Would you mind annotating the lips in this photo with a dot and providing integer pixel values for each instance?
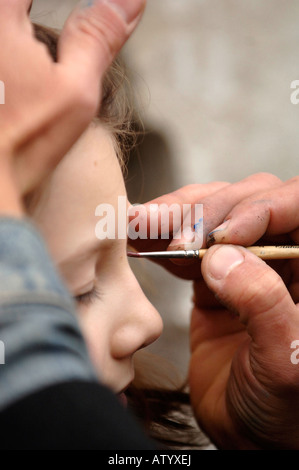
(122, 392)
(123, 399)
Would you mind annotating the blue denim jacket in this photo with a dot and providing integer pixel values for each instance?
(43, 344)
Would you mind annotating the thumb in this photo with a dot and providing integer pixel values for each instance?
(95, 32)
(247, 286)
(67, 94)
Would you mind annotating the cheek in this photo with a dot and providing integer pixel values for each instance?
(96, 332)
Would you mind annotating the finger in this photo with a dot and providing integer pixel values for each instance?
(271, 213)
(189, 194)
(247, 286)
(91, 38)
(216, 207)
(14, 8)
(166, 213)
(14, 14)
(151, 225)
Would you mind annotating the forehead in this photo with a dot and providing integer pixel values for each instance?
(89, 175)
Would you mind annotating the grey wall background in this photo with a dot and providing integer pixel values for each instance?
(213, 79)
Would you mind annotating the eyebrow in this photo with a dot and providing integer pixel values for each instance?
(87, 250)
(80, 253)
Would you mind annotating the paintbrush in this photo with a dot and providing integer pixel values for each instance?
(263, 252)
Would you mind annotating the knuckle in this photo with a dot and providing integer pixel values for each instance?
(260, 202)
(266, 178)
(181, 195)
(267, 291)
(294, 180)
(108, 30)
(80, 96)
(76, 110)
(257, 206)
(87, 98)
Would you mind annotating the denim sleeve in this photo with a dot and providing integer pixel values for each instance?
(40, 339)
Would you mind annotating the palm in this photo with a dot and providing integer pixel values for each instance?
(216, 335)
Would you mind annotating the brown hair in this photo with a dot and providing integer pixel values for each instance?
(158, 402)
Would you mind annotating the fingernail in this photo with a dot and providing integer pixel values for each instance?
(212, 237)
(188, 235)
(129, 9)
(182, 241)
(85, 3)
(220, 228)
(223, 261)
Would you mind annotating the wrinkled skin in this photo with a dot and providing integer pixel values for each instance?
(244, 386)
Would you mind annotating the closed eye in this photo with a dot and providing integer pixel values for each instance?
(88, 297)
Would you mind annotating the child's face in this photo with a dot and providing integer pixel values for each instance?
(116, 317)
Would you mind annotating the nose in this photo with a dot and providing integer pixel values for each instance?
(139, 322)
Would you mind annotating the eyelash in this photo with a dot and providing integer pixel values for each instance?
(88, 297)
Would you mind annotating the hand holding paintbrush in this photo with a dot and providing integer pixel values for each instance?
(245, 324)
(263, 252)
